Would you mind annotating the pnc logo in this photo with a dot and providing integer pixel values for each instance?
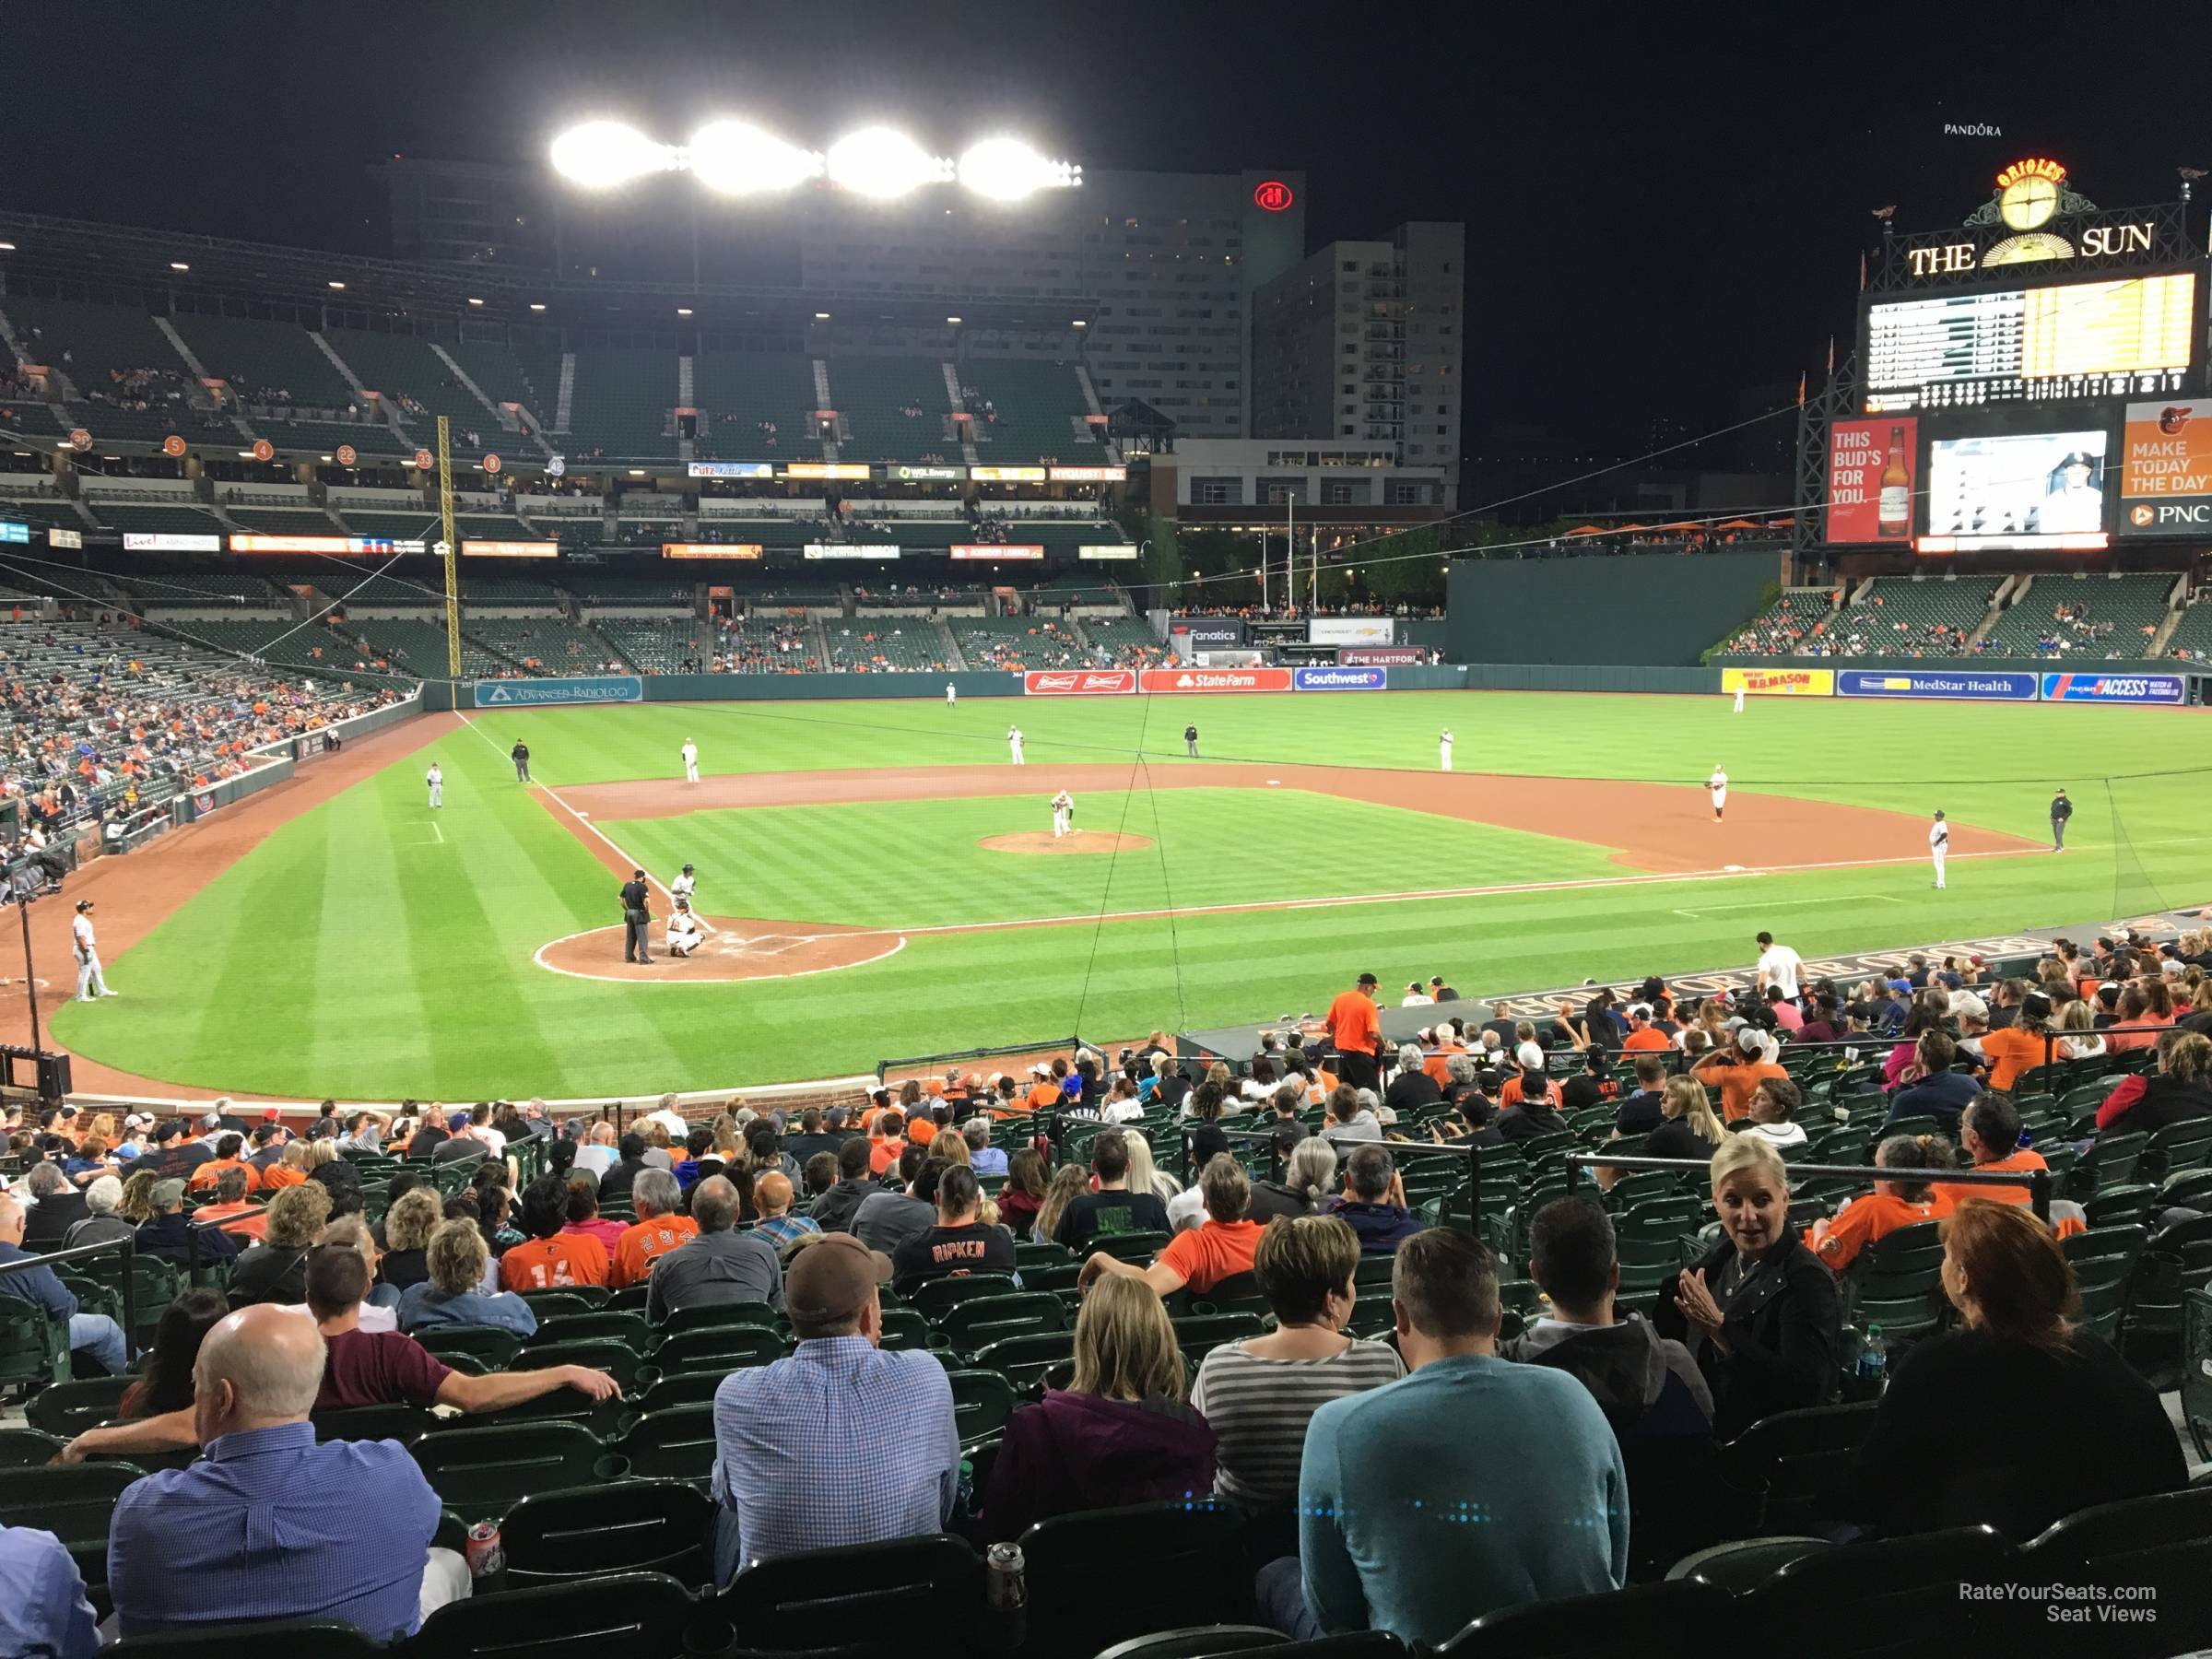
(2140, 516)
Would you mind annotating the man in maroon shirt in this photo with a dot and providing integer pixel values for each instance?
(361, 1368)
(384, 1367)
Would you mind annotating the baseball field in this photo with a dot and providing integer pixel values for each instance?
(880, 881)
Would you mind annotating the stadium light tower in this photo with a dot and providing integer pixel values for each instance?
(733, 157)
(736, 158)
(601, 154)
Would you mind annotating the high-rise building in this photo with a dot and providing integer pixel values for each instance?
(1360, 340)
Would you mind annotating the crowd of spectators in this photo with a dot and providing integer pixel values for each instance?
(1527, 1391)
(89, 711)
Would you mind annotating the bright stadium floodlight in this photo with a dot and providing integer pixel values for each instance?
(601, 154)
(1007, 169)
(877, 162)
(736, 157)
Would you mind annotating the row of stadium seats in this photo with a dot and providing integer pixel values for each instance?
(1014, 642)
(2087, 617)
(753, 405)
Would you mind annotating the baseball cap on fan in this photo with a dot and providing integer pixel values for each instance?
(829, 1280)
(1529, 1057)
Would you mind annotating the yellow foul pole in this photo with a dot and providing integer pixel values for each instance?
(453, 553)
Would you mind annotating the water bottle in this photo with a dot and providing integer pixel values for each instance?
(1873, 1361)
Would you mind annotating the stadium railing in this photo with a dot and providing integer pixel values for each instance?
(125, 1250)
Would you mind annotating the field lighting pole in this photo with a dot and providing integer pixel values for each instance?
(30, 978)
(453, 552)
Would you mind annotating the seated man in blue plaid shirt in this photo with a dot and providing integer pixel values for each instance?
(879, 1424)
(269, 1524)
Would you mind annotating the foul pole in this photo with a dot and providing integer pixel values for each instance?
(453, 553)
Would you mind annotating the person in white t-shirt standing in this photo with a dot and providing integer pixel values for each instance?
(1443, 750)
(1939, 844)
(691, 754)
(1014, 742)
(1718, 784)
(435, 778)
(952, 695)
(85, 949)
(1780, 967)
(1739, 699)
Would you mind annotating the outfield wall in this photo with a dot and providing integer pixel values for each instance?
(1978, 680)
(1652, 610)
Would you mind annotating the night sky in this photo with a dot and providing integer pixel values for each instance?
(1661, 212)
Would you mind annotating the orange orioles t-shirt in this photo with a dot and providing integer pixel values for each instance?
(644, 1242)
(547, 1263)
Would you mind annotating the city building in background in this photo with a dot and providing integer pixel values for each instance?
(1360, 341)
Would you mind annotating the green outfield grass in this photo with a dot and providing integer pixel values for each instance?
(373, 949)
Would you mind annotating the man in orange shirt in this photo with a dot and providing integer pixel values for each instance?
(1356, 1029)
(659, 1228)
(891, 1140)
(226, 1159)
(1643, 1037)
(1200, 1256)
(1837, 1240)
(1740, 1069)
(551, 1258)
(2013, 1048)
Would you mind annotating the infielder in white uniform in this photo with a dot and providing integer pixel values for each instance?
(436, 780)
(1739, 699)
(1939, 844)
(952, 694)
(1064, 811)
(683, 937)
(690, 753)
(1718, 784)
(684, 886)
(89, 985)
(1014, 742)
(1443, 750)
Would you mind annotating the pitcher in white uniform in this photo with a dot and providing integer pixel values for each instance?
(1718, 784)
(1014, 742)
(436, 780)
(1443, 750)
(1064, 810)
(85, 949)
(1939, 844)
(691, 754)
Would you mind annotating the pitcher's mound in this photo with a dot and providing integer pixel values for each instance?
(1076, 841)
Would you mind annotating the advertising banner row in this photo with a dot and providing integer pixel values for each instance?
(1959, 685)
(539, 693)
(1184, 682)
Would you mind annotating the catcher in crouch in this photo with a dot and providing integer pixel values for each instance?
(1063, 812)
(684, 934)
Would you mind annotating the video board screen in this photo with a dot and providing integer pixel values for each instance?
(2032, 344)
(2026, 490)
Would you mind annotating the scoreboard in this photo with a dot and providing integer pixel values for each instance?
(2132, 337)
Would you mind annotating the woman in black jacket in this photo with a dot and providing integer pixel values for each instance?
(2179, 1092)
(275, 1269)
(2027, 1379)
(1760, 1312)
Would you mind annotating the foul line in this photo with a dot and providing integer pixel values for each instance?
(619, 851)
